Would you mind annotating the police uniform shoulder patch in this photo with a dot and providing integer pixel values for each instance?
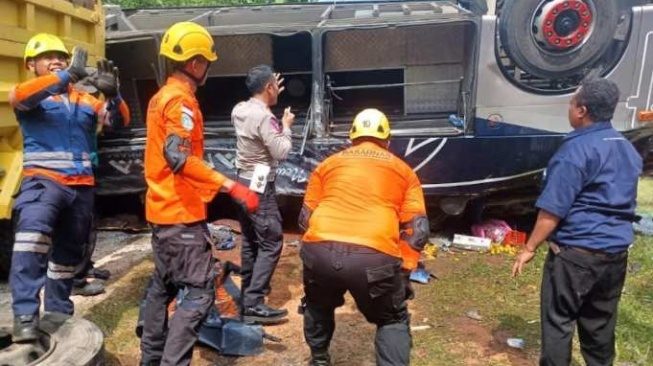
(187, 118)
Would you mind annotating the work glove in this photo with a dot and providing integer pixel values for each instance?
(77, 66)
(106, 78)
(244, 196)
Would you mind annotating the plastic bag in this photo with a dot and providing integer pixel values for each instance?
(492, 229)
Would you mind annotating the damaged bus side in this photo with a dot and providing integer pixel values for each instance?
(477, 103)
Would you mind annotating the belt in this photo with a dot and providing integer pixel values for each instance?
(556, 248)
(247, 174)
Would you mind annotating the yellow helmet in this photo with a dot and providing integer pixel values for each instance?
(44, 42)
(370, 122)
(185, 40)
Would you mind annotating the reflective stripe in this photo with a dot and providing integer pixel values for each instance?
(60, 275)
(48, 155)
(56, 164)
(30, 237)
(60, 268)
(33, 248)
(55, 159)
(59, 272)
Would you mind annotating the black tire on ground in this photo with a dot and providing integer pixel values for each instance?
(6, 247)
(516, 33)
(72, 342)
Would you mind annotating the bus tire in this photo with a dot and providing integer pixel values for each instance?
(6, 247)
(526, 43)
(70, 341)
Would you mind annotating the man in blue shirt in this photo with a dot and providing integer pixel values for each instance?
(586, 210)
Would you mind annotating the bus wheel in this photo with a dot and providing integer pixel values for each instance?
(556, 38)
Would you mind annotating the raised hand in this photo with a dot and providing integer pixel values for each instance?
(77, 66)
(106, 79)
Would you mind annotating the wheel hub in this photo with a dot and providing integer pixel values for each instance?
(562, 25)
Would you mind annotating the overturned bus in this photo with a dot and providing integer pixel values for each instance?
(478, 104)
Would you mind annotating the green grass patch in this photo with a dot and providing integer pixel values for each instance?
(117, 316)
(645, 196)
(510, 307)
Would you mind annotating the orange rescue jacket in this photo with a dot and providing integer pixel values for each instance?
(182, 197)
(360, 196)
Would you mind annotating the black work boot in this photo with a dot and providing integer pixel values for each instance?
(320, 358)
(263, 314)
(26, 328)
(86, 288)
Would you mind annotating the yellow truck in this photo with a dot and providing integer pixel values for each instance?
(77, 22)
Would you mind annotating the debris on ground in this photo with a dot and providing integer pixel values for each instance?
(416, 328)
(634, 267)
(516, 343)
(294, 243)
(493, 229)
(473, 314)
(222, 237)
(503, 249)
(644, 225)
(430, 251)
(471, 242)
(440, 242)
(421, 274)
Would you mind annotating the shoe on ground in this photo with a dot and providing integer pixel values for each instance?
(88, 288)
(320, 359)
(100, 274)
(263, 314)
(26, 329)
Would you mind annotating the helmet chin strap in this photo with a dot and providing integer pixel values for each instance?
(198, 81)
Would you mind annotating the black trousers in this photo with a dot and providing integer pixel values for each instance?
(183, 260)
(376, 283)
(262, 241)
(580, 289)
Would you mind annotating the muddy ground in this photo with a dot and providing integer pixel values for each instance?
(441, 336)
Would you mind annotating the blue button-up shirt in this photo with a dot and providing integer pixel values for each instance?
(591, 185)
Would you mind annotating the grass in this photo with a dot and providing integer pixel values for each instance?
(510, 308)
(468, 281)
(117, 316)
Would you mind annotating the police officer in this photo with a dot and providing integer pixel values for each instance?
(179, 185)
(262, 143)
(586, 210)
(365, 219)
(55, 201)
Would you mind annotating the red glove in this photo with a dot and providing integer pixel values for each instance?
(244, 196)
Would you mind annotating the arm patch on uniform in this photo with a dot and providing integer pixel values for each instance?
(416, 232)
(187, 118)
(176, 152)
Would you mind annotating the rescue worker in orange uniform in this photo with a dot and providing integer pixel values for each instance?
(365, 220)
(55, 202)
(179, 186)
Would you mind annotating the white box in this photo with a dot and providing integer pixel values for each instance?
(470, 242)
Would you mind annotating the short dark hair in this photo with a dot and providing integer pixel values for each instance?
(258, 77)
(600, 97)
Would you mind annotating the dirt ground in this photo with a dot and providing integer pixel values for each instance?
(440, 335)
